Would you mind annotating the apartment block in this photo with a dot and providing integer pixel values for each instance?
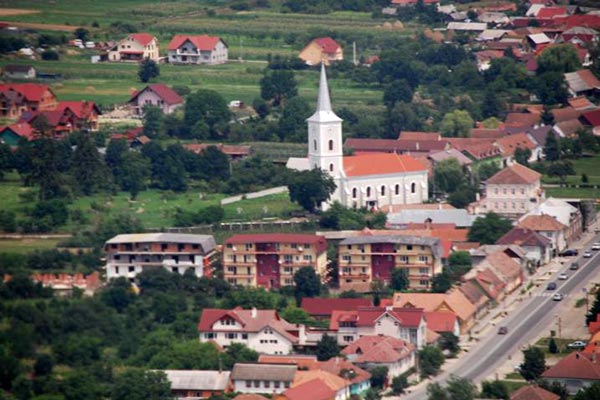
(128, 255)
(270, 260)
(364, 259)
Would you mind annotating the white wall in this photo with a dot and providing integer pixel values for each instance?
(404, 196)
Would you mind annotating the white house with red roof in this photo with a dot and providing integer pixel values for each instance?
(135, 47)
(364, 180)
(322, 50)
(200, 49)
(261, 330)
(158, 95)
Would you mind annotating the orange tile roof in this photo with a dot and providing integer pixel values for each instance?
(380, 164)
(580, 103)
(542, 222)
(510, 143)
(334, 382)
(314, 389)
(566, 114)
(501, 263)
(454, 300)
(522, 119)
(250, 396)
(379, 349)
(415, 135)
(440, 321)
(302, 361)
(533, 393)
(515, 174)
(339, 365)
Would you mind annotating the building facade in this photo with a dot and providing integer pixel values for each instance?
(128, 255)
(270, 260)
(325, 50)
(157, 95)
(364, 259)
(201, 49)
(135, 47)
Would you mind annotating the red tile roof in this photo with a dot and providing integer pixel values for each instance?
(551, 12)
(393, 145)
(542, 222)
(31, 91)
(414, 135)
(22, 129)
(142, 38)
(515, 174)
(202, 42)
(340, 366)
(368, 316)
(510, 143)
(325, 306)
(380, 164)
(301, 360)
(489, 283)
(81, 109)
(379, 349)
(249, 396)
(580, 103)
(522, 119)
(524, 237)
(167, 94)
(441, 321)
(565, 114)
(592, 117)
(483, 133)
(327, 44)
(533, 393)
(575, 366)
(314, 389)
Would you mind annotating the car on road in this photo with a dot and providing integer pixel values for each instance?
(587, 254)
(563, 276)
(558, 297)
(596, 246)
(574, 266)
(569, 253)
(502, 330)
(551, 286)
(578, 344)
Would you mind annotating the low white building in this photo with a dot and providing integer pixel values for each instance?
(200, 49)
(370, 352)
(262, 378)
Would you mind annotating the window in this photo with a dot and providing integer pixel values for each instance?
(397, 190)
(248, 384)
(423, 282)
(514, 205)
(496, 191)
(522, 191)
(117, 270)
(266, 384)
(256, 384)
(409, 247)
(383, 190)
(276, 384)
(307, 257)
(244, 336)
(229, 245)
(330, 167)
(287, 258)
(248, 246)
(512, 190)
(423, 270)
(353, 193)
(231, 335)
(314, 145)
(368, 191)
(286, 384)
(131, 269)
(345, 258)
(413, 188)
(347, 338)
(423, 259)
(404, 259)
(331, 145)
(209, 335)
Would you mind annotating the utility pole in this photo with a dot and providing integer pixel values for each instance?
(354, 53)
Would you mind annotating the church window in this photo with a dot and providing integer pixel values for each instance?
(331, 145)
(383, 190)
(397, 190)
(331, 167)
(315, 145)
(368, 191)
(413, 188)
(353, 193)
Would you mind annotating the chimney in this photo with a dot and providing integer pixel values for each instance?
(418, 147)
(389, 308)
(594, 357)
(477, 196)
(253, 314)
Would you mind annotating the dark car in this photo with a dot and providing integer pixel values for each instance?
(574, 266)
(551, 286)
(569, 253)
(502, 330)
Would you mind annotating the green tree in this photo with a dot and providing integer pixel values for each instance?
(295, 315)
(307, 283)
(6, 159)
(10, 367)
(399, 279)
(115, 151)
(561, 59)
(88, 168)
(261, 107)
(399, 383)
(402, 118)
(148, 70)
(461, 388)
(134, 384)
(292, 124)
(278, 86)
(379, 377)
(491, 106)
(534, 364)
(552, 347)
(448, 176)
(327, 348)
(431, 359)
(463, 196)
(311, 188)
(118, 294)
(555, 387)
(81, 34)
(133, 174)
(459, 263)
(550, 87)
(594, 310)
(561, 169)
(494, 390)
(441, 283)
(589, 393)
(397, 91)
(153, 120)
(457, 123)
(449, 342)
(522, 156)
(551, 148)
(487, 170)
(488, 229)
(209, 109)
(435, 391)
(547, 117)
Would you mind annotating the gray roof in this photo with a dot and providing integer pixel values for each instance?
(434, 243)
(450, 153)
(467, 26)
(263, 372)
(458, 216)
(206, 241)
(197, 380)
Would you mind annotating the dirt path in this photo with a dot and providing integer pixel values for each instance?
(6, 12)
(48, 27)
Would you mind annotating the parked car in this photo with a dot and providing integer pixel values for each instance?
(596, 246)
(578, 344)
(551, 286)
(587, 254)
(574, 266)
(563, 276)
(569, 253)
(502, 330)
(558, 297)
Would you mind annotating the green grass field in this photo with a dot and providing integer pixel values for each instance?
(27, 245)
(585, 165)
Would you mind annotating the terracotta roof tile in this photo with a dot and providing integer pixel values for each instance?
(454, 301)
(380, 164)
(524, 237)
(393, 145)
(474, 293)
(338, 365)
(316, 240)
(31, 91)
(551, 12)
(142, 38)
(575, 366)
(414, 135)
(327, 44)
(81, 109)
(522, 119)
(503, 266)
(581, 103)
(540, 223)
(570, 128)
(565, 114)
(325, 306)
(22, 129)
(301, 360)
(533, 393)
(249, 396)
(483, 133)
(510, 143)
(316, 389)
(167, 94)
(592, 117)
(514, 174)
(440, 321)
(202, 42)
(334, 382)
(379, 349)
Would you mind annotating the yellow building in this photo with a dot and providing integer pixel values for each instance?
(325, 50)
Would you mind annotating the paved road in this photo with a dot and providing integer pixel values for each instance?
(523, 323)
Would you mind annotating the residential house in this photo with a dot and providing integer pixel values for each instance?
(64, 284)
(314, 389)
(364, 259)
(56, 123)
(547, 226)
(438, 156)
(322, 50)
(579, 35)
(129, 254)
(581, 103)
(568, 129)
(322, 308)
(564, 213)
(582, 82)
(261, 330)
(86, 114)
(407, 3)
(303, 361)
(135, 47)
(359, 378)
(233, 151)
(592, 119)
(480, 253)
(505, 268)
(194, 384)
(479, 150)
(538, 248)
(577, 371)
(32, 96)
(270, 260)
(158, 95)
(477, 296)
(453, 301)
(19, 71)
(442, 322)
(262, 378)
(511, 192)
(12, 104)
(304, 381)
(531, 392)
(134, 137)
(370, 352)
(14, 133)
(399, 146)
(200, 49)
(408, 324)
(510, 143)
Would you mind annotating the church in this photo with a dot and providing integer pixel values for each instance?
(367, 180)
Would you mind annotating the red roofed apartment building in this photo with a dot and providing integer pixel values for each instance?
(261, 330)
(158, 95)
(135, 47)
(270, 260)
(201, 49)
(325, 50)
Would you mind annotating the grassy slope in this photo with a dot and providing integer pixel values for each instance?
(589, 166)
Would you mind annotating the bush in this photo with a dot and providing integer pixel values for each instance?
(50, 55)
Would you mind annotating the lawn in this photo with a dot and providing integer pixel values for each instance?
(27, 245)
(585, 165)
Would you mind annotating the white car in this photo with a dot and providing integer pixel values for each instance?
(596, 246)
(587, 254)
(558, 297)
(579, 344)
(563, 276)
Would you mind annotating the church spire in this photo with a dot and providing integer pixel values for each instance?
(323, 101)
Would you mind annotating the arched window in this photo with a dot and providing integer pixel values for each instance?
(315, 145)
(331, 145)
(413, 188)
(331, 167)
(383, 190)
(353, 193)
(368, 191)
(397, 190)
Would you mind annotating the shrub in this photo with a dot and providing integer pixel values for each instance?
(50, 55)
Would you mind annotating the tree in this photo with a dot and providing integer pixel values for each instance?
(494, 390)
(311, 188)
(435, 391)
(547, 117)
(327, 348)
(134, 384)
(441, 283)
(278, 86)
(295, 315)
(463, 196)
(522, 156)
(307, 283)
(88, 168)
(489, 229)
(43, 365)
(461, 388)
(292, 124)
(379, 377)
(457, 123)
(589, 393)
(153, 120)
(551, 148)
(261, 107)
(148, 70)
(115, 151)
(399, 383)
(555, 387)
(487, 170)
(133, 174)
(449, 341)
(50, 55)
(402, 118)
(448, 176)
(397, 91)
(431, 359)
(459, 263)
(399, 279)
(594, 310)
(81, 34)
(41, 162)
(491, 105)
(561, 169)
(534, 364)
(551, 88)
(10, 367)
(206, 113)
(561, 58)
(552, 347)
(118, 294)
